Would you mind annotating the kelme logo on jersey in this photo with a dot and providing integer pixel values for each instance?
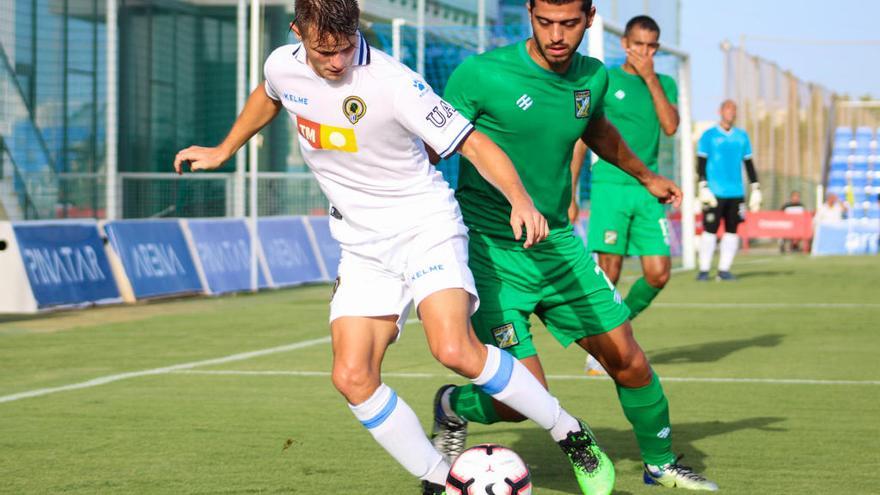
(582, 103)
(505, 336)
(354, 109)
(326, 137)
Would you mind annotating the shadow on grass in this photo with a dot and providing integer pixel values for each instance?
(764, 274)
(551, 470)
(711, 352)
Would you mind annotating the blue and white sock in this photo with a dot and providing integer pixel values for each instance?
(397, 429)
(509, 382)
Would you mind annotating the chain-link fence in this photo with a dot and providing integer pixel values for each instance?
(180, 69)
(788, 121)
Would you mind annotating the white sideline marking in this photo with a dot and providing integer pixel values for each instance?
(772, 381)
(103, 380)
(766, 305)
(167, 369)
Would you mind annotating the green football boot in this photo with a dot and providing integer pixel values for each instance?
(675, 475)
(429, 488)
(592, 467)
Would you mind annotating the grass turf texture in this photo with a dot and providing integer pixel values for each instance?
(194, 432)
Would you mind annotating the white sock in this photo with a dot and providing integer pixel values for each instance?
(707, 250)
(729, 245)
(509, 382)
(397, 429)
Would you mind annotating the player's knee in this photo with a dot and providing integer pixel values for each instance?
(658, 278)
(355, 383)
(631, 369)
(453, 354)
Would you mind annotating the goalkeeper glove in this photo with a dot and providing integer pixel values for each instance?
(755, 198)
(705, 195)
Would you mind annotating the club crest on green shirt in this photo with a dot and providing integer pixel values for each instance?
(582, 103)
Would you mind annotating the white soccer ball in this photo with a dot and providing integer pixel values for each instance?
(489, 469)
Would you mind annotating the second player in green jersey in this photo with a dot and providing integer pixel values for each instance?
(624, 220)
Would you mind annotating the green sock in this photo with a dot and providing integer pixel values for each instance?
(640, 296)
(472, 404)
(647, 410)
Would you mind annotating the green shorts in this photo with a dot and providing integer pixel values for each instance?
(557, 280)
(627, 220)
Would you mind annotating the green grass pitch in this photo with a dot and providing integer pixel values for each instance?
(770, 393)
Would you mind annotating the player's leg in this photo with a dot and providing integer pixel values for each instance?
(656, 272)
(611, 264)
(709, 239)
(445, 304)
(358, 348)
(502, 319)
(734, 214)
(645, 406)
(649, 239)
(359, 344)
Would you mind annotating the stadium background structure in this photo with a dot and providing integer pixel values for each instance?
(92, 115)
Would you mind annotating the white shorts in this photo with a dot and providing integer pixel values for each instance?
(386, 277)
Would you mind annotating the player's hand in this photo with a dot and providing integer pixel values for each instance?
(755, 198)
(524, 214)
(199, 158)
(574, 211)
(664, 190)
(705, 195)
(643, 64)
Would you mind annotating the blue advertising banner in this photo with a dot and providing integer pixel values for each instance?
(223, 248)
(65, 263)
(327, 245)
(849, 237)
(155, 256)
(289, 254)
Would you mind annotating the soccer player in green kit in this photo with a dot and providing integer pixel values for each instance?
(536, 98)
(624, 218)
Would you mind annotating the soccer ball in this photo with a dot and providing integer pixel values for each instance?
(491, 470)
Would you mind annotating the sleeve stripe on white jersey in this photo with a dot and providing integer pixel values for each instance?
(465, 132)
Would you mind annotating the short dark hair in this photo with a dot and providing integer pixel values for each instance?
(327, 18)
(586, 4)
(644, 22)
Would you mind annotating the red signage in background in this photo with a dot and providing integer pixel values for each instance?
(771, 224)
(777, 225)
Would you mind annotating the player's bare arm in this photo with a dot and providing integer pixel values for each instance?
(667, 113)
(577, 162)
(604, 139)
(258, 111)
(494, 165)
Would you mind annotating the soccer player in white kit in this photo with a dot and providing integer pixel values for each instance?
(365, 122)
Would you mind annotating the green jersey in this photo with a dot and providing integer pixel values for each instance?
(629, 106)
(535, 116)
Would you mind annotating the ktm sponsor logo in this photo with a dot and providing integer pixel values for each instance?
(326, 137)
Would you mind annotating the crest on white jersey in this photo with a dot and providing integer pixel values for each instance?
(354, 109)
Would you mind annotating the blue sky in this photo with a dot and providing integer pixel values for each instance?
(843, 69)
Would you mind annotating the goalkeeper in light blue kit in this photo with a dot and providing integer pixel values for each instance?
(721, 153)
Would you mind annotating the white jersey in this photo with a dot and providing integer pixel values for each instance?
(363, 138)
